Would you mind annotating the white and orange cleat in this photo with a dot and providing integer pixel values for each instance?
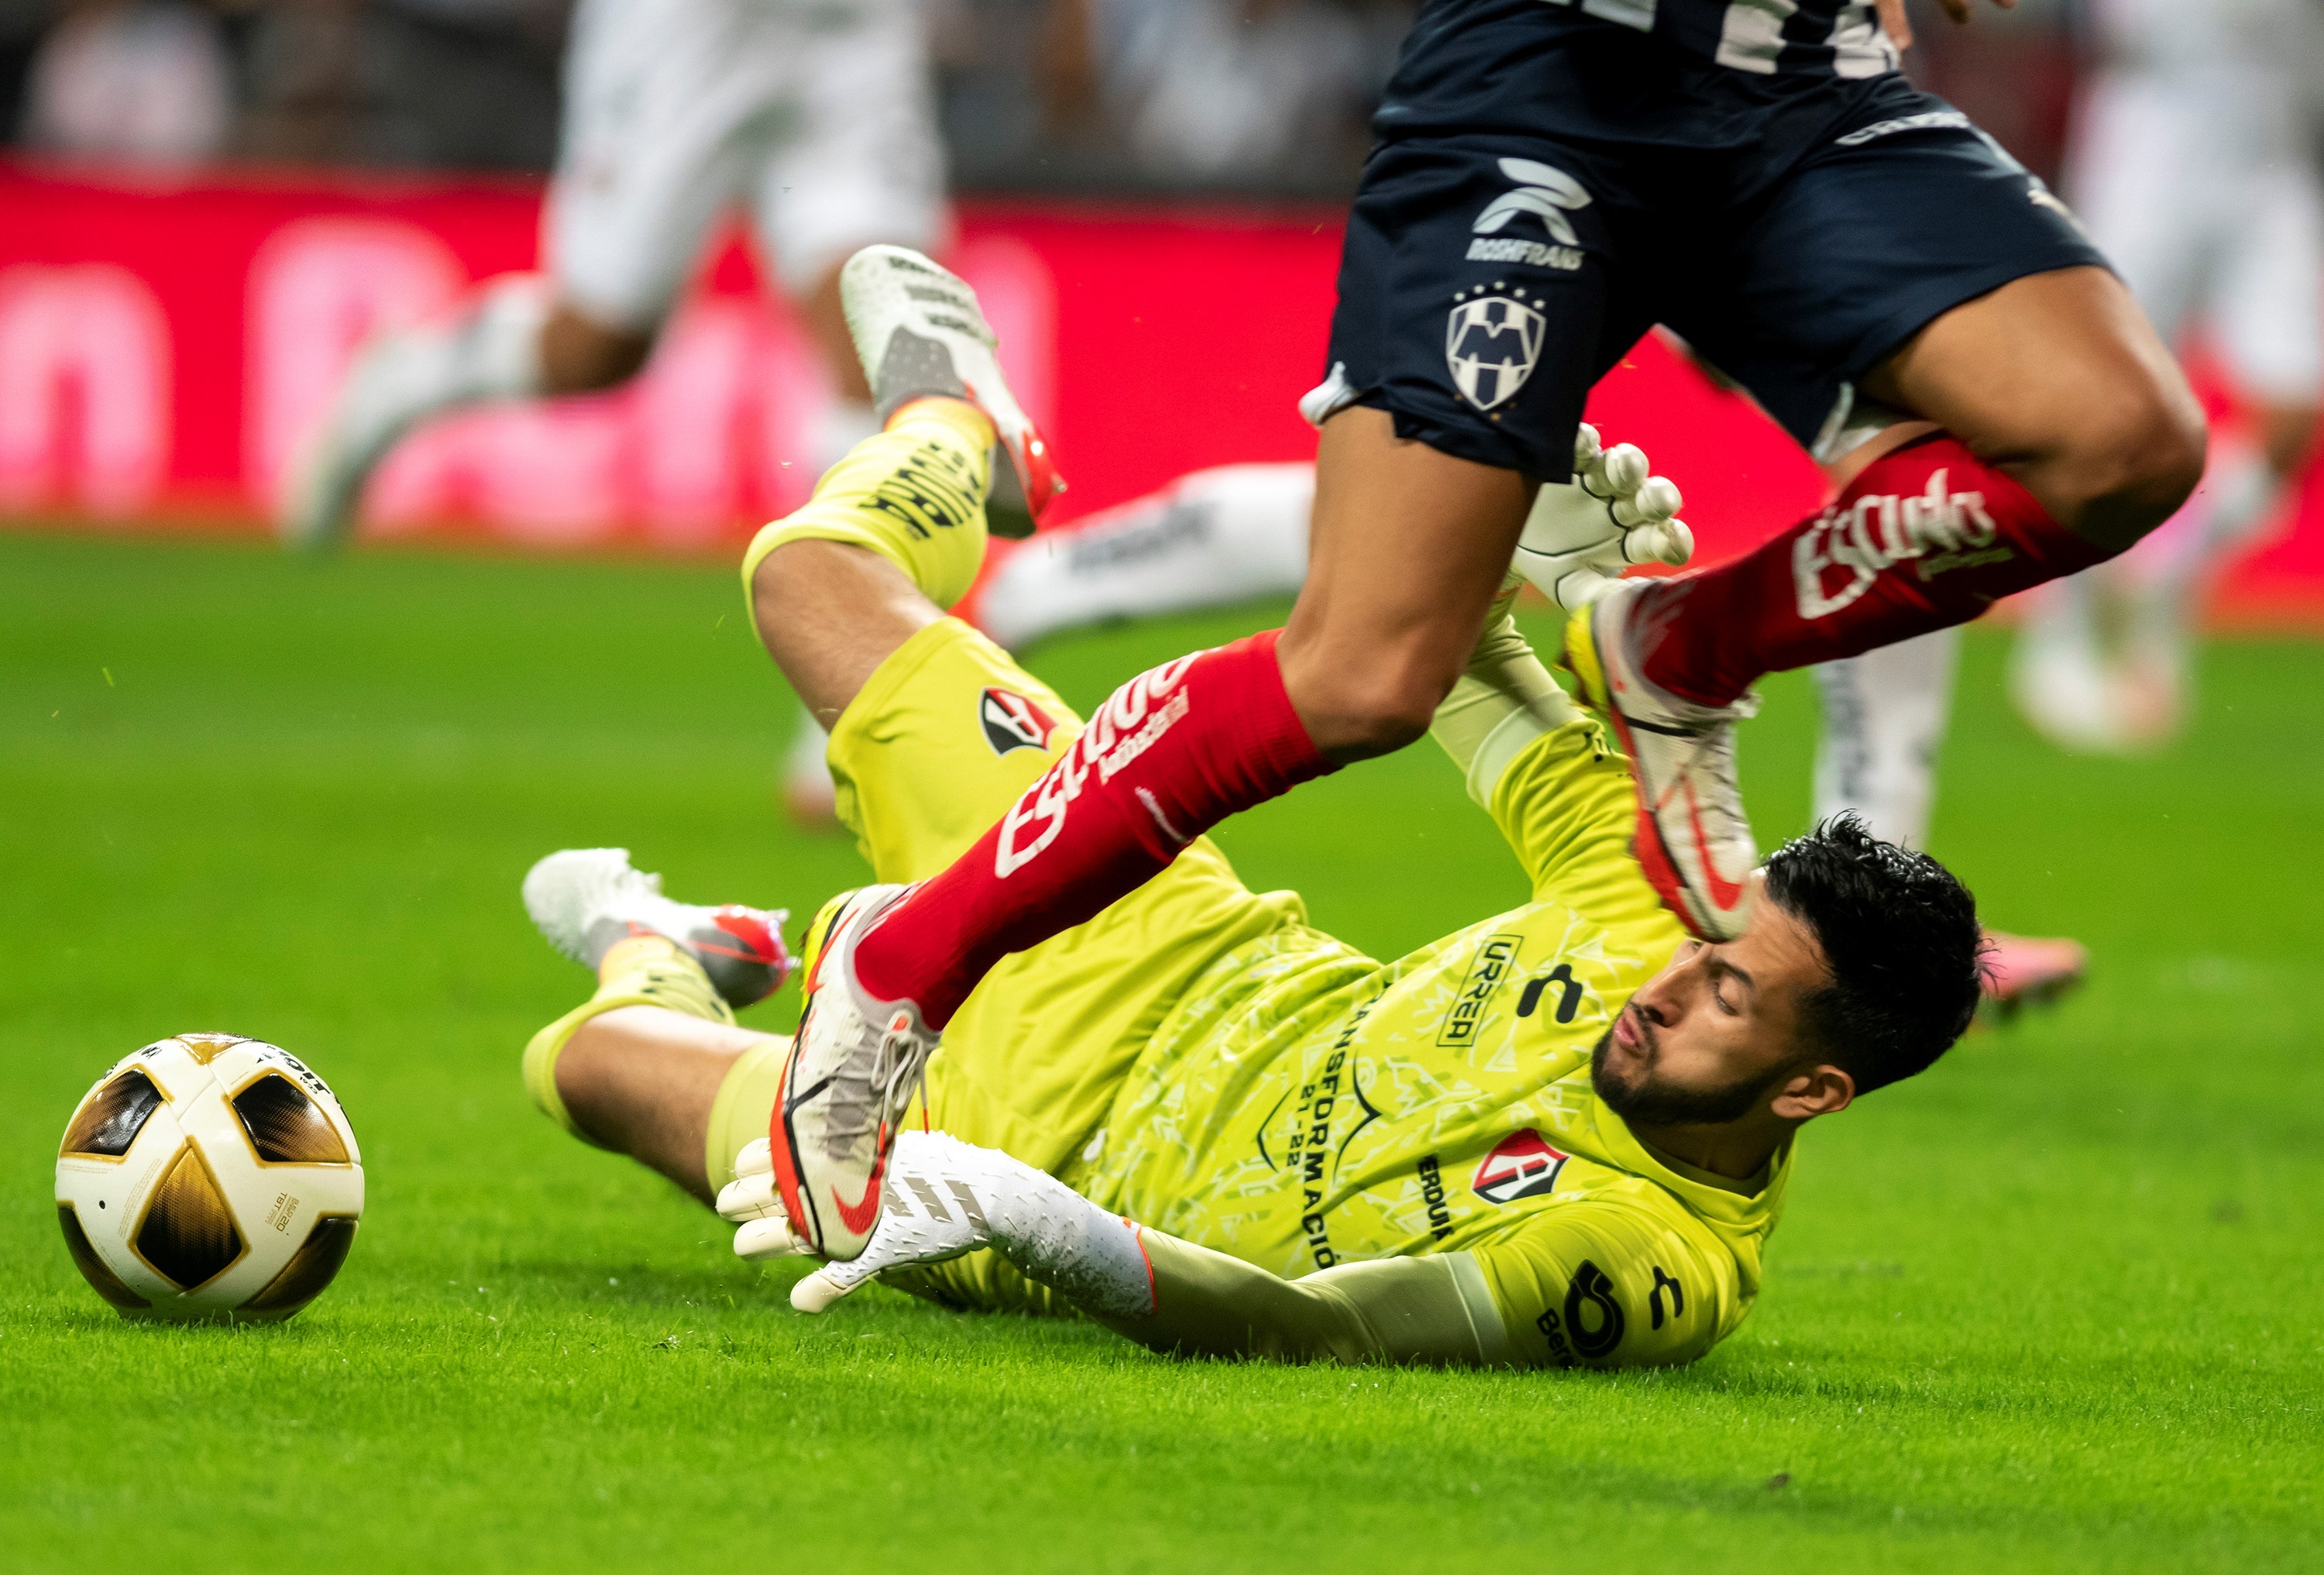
(919, 332)
(586, 900)
(855, 1065)
(1693, 839)
(2028, 970)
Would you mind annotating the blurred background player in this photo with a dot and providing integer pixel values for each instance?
(2194, 167)
(816, 117)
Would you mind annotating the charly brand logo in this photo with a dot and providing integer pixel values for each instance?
(1011, 722)
(1492, 342)
(1942, 529)
(1548, 194)
(1131, 722)
(1521, 1166)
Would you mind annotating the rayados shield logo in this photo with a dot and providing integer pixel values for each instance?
(1521, 1166)
(1011, 722)
(1492, 342)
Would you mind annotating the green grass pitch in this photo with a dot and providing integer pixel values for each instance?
(2059, 1304)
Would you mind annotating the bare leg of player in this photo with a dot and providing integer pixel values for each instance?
(2056, 412)
(1391, 607)
(2103, 662)
(515, 339)
(641, 1081)
(847, 419)
(2062, 432)
(826, 323)
(580, 355)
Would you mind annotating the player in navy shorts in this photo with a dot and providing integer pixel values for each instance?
(1905, 298)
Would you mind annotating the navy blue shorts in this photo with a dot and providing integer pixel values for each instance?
(1793, 231)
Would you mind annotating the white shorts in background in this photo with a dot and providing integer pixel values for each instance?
(2204, 193)
(817, 115)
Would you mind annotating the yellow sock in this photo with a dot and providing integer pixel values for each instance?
(817, 929)
(913, 493)
(642, 970)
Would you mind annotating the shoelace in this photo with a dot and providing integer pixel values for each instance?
(890, 1093)
(893, 1093)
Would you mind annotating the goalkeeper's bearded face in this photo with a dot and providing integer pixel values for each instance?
(1717, 1035)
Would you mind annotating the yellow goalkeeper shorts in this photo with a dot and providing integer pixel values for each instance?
(940, 742)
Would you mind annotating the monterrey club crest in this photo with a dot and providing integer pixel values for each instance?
(1011, 722)
(1492, 342)
(1521, 1166)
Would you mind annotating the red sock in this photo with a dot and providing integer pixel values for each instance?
(1924, 538)
(1175, 751)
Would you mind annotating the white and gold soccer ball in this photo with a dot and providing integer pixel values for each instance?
(209, 1176)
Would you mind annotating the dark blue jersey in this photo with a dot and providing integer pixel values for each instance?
(1669, 73)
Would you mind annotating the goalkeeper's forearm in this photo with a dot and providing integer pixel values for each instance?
(1418, 1309)
(946, 1198)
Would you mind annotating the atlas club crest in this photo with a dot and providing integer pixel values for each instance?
(1492, 342)
(1521, 1166)
(1011, 722)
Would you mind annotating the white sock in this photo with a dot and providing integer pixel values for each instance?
(490, 351)
(2165, 574)
(807, 788)
(1209, 539)
(839, 425)
(1884, 720)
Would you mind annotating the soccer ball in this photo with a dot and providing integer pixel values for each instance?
(209, 1176)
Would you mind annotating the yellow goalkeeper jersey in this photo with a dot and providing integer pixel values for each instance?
(1302, 1105)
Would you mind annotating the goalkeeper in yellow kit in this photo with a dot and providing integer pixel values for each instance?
(1559, 1137)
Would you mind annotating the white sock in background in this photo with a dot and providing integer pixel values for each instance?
(1211, 538)
(1884, 720)
(809, 794)
(839, 425)
(2104, 661)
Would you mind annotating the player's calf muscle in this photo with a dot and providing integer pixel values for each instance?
(829, 613)
(2059, 380)
(2133, 466)
(1359, 704)
(641, 1081)
(1408, 548)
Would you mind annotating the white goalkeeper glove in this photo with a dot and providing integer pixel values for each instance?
(944, 1198)
(1582, 534)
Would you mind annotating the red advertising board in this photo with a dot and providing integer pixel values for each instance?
(163, 344)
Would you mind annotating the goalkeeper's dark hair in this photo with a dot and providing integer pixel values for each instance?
(1899, 932)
